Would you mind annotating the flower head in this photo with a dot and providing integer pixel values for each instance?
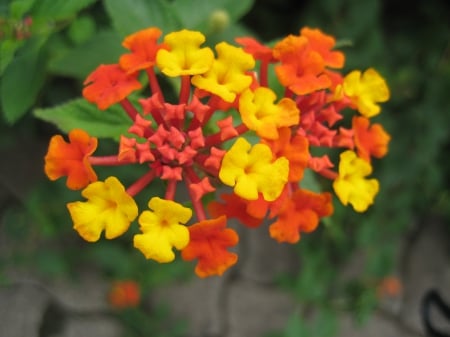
(366, 90)
(351, 186)
(209, 240)
(108, 207)
(227, 76)
(109, 84)
(251, 170)
(71, 159)
(162, 229)
(185, 57)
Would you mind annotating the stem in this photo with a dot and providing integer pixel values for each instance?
(107, 161)
(171, 188)
(154, 84)
(263, 78)
(327, 173)
(129, 108)
(185, 89)
(141, 183)
(288, 93)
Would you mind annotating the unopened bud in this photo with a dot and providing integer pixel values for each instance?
(218, 21)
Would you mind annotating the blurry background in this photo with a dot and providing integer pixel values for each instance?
(47, 47)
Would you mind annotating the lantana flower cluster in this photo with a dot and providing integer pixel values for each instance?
(229, 135)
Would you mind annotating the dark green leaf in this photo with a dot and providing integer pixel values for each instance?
(18, 8)
(59, 9)
(22, 80)
(7, 50)
(81, 114)
(81, 29)
(103, 48)
(133, 15)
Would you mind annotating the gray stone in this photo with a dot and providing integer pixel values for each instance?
(199, 302)
(88, 292)
(91, 326)
(427, 267)
(376, 326)
(261, 258)
(256, 309)
(21, 310)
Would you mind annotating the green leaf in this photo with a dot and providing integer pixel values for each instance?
(204, 9)
(133, 15)
(18, 8)
(81, 114)
(103, 48)
(295, 326)
(59, 9)
(7, 50)
(22, 80)
(81, 29)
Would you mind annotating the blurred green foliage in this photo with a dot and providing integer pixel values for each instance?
(47, 48)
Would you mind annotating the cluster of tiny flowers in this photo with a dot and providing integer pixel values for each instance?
(201, 141)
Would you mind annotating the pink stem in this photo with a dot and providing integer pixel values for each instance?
(171, 189)
(327, 173)
(185, 89)
(141, 183)
(263, 78)
(154, 84)
(129, 108)
(107, 161)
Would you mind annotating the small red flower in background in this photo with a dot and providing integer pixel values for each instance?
(390, 286)
(124, 294)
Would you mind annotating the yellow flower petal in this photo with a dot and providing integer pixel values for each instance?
(227, 76)
(162, 230)
(251, 171)
(185, 56)
(366, 90)
(109, 207)
(351, 186)
(259, 113)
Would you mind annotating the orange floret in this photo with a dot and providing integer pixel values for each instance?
(370, 140)
(71, 159)
(295, 149)
(109, 84)
(300, 213)
(144, 47)
(209, 240)
(236, 207)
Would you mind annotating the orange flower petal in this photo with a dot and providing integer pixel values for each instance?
(236, 207)
(370, 140)
(109, 84)
(209, 240)
(301, 213)
(324, 44)
(144, 47)
(71, 159)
